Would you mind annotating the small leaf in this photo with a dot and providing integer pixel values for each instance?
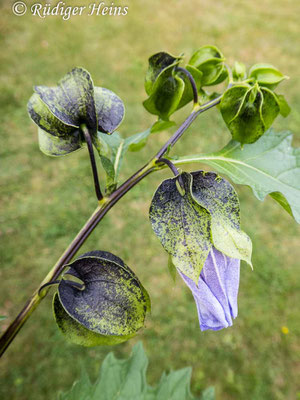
(113, 148)
(157, 63)
(138, 141)
(110, 109)
(266, 75)
(285, 109)
(72, 101)
(111, 179)
(239, 71)
(109, 309)
(279, 197)
(110, 149)
(166, 94)
(248, 111)
(2, 317)
(161, 125)
(268, 166)
(181, 225)
(57, 146)
(126, 379)
(220, 199)
(210, 61)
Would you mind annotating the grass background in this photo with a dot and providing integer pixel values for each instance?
(45, 201)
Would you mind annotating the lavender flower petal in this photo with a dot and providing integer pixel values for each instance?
(217, 290)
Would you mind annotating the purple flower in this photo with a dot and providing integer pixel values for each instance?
(217, 290)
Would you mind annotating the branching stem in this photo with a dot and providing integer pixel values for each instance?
(190, 119)
(105, 204)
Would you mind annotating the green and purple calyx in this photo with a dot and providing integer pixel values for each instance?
(59, 111)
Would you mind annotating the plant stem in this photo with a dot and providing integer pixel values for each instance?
(89, 143)
(172, 168)
(190, 119)
(105, 204)
(192, 81)
(169, 164)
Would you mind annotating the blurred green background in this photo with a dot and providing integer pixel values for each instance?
(45, 201)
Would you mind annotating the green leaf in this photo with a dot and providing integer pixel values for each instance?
(110, 149)
(285, 109)
(269, 166)
(157, 63)
(111, 179)
(210, 61)
(161, 125)
(57, 146)
(72, 100)
(123, 378)
(175, 386)
(110, 109)
(126, 379)
(2, 317)
(181, 225)
(113, 148)
(109, 309)
(239, 71)
(166, 94)
(266, 75)
(219, 198)
(138, 141)
(248, 111)
(282, 201)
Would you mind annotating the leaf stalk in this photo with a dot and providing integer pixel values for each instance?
(175, 171)
(89, 143)
(192, 82)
